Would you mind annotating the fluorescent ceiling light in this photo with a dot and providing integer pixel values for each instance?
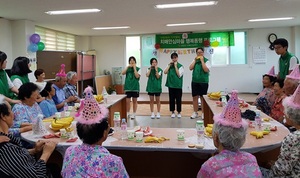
(185, 24)
(110, 28)
(270, 19)
(75, 11)
(189, 4)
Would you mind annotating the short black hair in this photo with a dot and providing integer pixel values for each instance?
(131, 57)
(200, 48)
(26, 90)
(152, 59)
(20, 66)
(281, 41)
(91, 134)
(38, 72)
(46, 90)
(4, 111)
(272, 78)
(174, 55)
(280, 81)
(3, 57)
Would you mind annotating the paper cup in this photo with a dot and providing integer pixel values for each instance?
(180, 134)
(70, 108)
(58, 115)
(130, 134)
(77, 105)
(139, 136)
(67, 113)
(266, 126)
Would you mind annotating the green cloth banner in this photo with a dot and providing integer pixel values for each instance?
(194, 40)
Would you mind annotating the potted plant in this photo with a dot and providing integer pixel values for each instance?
(111, 89)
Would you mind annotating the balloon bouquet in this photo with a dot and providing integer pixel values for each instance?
(35, 43)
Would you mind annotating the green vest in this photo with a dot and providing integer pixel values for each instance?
(23, 78)
(284, 64)
(4, 88)
(173, 81)
(154, 84)
(199, 76)
(131, 82)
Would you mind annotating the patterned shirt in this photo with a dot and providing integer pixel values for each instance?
(230, 164)
(288, 162)
(70, 90)
(265, 100)
(16, 161)
(277, 109)
(24, 114)
(92, 161)
(48, 107)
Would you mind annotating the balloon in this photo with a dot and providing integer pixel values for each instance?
(215, 44)
(206, 43)
(157, 46)
(41, 46)
(35, 38)
(33, 47)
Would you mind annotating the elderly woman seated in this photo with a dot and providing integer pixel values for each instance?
(266, 97)
(91, 159)
(48, 106)
(229, 135)
(16, 161)
(288, 162)
(26, 111)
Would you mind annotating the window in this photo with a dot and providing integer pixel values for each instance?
(133, 48)
(227, 55)
(55, 40)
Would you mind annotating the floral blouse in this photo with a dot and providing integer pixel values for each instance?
(265, 100)
(230, 164)
(24, 114)
(92, 161)
(277, 109)
(288, 162)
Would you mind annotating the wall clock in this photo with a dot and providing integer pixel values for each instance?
(271, 38)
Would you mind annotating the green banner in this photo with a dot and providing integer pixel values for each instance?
(194, 40)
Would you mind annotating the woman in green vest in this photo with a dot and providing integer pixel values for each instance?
(7, 88)
(20, 71)
(174, 72)
(132, 85)
(200, 77)
(154, 74)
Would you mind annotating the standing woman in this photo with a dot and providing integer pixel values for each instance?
(154, 74)
(200, 78)
(174, 83)
(7, 88)
(132, 85)
(20, 71)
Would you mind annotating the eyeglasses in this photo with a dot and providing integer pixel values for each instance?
(278, 47)
(199, 52)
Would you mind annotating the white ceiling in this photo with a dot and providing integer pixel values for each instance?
(143, 18)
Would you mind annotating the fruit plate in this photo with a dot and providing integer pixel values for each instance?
(50, 126)
(148, 133)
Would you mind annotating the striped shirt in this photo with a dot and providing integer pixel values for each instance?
(70, 90)
(15, 161)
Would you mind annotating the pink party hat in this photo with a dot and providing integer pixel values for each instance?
(231, 115)
(295, 74)
(90, 112)
(62, 72)
(294, 100)
(271, 72)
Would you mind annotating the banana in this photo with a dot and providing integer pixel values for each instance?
(257, 134)
(210, 125)
(208, 130)
(151, 139)
(214, 95)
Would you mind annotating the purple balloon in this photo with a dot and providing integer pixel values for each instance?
(35, 38)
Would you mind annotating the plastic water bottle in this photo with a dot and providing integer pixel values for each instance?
(224, 97)
(200, 132)
(66, 106)
(257, 121)
(123, 129)
(117, 120)
(104, 94)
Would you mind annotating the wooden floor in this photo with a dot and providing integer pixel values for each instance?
(164, 98)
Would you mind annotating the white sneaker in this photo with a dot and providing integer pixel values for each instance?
(152, 115)
(194, 115)
(178, 115)
(158, 115)
(173, 115)
(132, 116)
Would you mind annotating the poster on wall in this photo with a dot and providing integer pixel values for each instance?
(117, 75)
(259, 55)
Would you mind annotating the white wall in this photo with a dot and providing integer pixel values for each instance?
(245, 78)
